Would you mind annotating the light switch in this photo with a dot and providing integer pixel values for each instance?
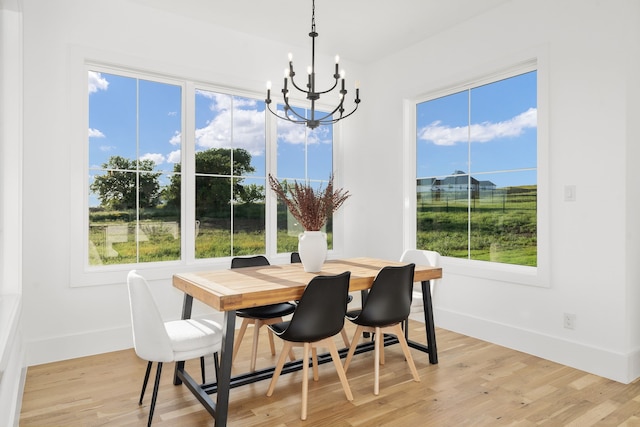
(569, 193)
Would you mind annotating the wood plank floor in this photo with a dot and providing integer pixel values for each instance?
(474, 384)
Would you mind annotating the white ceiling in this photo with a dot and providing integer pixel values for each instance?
(358, 30)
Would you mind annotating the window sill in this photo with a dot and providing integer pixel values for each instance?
(508, 273)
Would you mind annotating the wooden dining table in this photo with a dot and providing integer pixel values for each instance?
(233, 289)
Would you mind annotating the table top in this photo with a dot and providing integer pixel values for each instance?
(238, 288)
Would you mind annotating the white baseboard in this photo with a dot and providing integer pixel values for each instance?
(80, 345)
(616, 366)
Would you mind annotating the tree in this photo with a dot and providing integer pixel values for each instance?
(214, 187)
(126, 180)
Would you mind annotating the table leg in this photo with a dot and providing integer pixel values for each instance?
(224, 380)
(428, 322)
(187, 305)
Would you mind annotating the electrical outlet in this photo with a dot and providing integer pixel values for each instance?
(569, 321)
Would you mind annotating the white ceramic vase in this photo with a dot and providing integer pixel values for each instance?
(312, 246)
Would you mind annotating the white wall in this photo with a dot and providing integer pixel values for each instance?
(62, 321)
(590, 55)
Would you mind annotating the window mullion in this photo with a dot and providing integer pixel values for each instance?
(188, 177)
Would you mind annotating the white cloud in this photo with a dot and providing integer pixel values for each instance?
(95, 133)
(248, 131)
(157, 158)
(106, 148)
(174, 157)
(97, 82)
(176, 139)
(482, 132)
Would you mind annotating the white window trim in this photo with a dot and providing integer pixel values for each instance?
(81, 274)
(535, 59)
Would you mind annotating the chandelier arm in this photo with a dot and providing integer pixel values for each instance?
(330, 114)
(312, 95)
(341, 117)
(334, 121)
(302, 118)
(299, 88)
(329, 90)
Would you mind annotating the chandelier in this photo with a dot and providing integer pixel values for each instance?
(316, 118)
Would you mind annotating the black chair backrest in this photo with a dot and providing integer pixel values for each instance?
(295, 257)
(252, 261)
(321, 310)
(389, 299)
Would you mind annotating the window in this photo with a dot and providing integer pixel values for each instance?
(476, 171)
(304, 155)
(230, 144)
(132, 127)
(177, 171)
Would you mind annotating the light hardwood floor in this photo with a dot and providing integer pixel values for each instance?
(474, 384)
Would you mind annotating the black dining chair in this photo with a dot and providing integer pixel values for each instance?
(385, 309)
(258, 316)
(318, 317)
(295, 258)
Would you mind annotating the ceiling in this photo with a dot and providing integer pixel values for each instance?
(358, 30)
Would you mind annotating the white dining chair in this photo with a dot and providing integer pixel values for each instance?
(421, 257)
(158, 341)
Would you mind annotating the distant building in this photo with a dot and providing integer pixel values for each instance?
(455, 185)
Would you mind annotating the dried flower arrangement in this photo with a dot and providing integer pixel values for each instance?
(310, 207)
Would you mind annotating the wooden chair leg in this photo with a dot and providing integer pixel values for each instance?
(271, 343)
(407, 353)
(254, 345)
(243, 329)
(341, 374)
(305, 380)
(144, 383)
(314, 362)
(376, 368)
(278, 369)
(352, 348)
(345, 338)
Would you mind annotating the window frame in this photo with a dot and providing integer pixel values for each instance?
(81, 272)
(508, 273)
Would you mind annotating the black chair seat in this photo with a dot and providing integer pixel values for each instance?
(267, 311)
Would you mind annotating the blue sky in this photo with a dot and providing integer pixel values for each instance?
(495, 126)
(221, 121)
(502, 137)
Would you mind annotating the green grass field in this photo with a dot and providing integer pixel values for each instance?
(499, 227)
